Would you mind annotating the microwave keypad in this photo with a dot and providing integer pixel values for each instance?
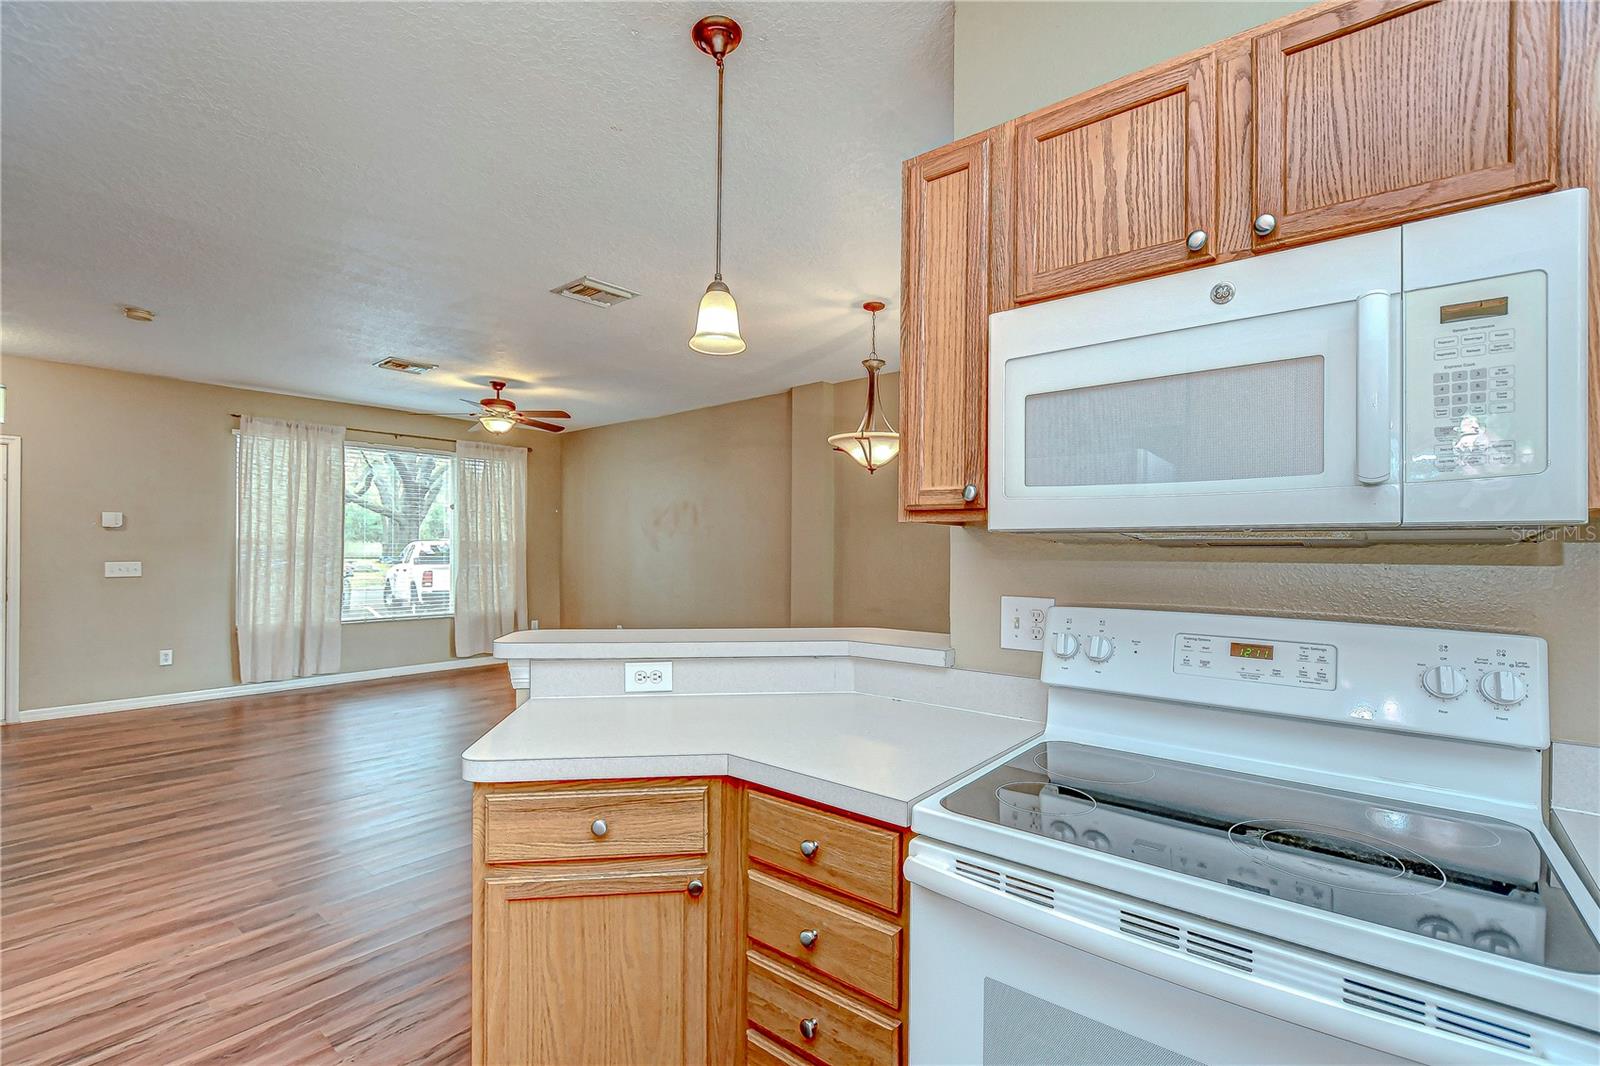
(1463, 419)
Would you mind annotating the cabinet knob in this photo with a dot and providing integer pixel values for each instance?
(599, 827)
(969, 493)
(808, 1028)
(1265, 224)
(808, 938)
(1197, 240)
(808, 848)
(696, 887)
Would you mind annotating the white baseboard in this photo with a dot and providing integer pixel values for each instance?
(228, 692)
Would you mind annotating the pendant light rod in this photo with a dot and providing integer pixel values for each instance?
(721, 70)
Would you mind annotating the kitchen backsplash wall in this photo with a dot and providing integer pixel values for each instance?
(1551, 590)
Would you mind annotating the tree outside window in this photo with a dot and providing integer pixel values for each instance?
(398, 520)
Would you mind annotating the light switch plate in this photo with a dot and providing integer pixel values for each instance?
(1022, 622)
(647, 677)
(111, 519)
(127, 569)
(164, 657)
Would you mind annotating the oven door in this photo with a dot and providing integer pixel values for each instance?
(1012, 969)
(1254, 395)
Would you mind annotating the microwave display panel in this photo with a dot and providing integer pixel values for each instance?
(1494, 308)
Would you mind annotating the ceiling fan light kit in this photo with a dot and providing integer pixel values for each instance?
(499, 415)
(716, 330)
(874, 443)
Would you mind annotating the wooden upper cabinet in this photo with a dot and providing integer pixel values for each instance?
(1374, 112)
(944, 328)
(1110, 185)
(598, 964)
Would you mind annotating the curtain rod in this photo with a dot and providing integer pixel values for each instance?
(386, 432)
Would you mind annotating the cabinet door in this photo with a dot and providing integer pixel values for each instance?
(598, 965)
(1113, 184)
(1379, 111)
(944, 330)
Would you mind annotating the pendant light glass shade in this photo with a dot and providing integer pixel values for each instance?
(874, 442)
(716, 328)
(497, 423)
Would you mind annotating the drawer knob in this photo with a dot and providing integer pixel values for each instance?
(696, 887)
(808, 848)
(599, 827)
(808, 1028)
(1265, 224)
(969, 493)
(1197, 240)
(808, 938)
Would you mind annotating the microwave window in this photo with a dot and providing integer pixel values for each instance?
(1237, 423)
(1474, 309)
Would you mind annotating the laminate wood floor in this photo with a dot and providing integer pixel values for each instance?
(276, 879)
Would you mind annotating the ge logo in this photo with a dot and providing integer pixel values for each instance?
(1221, 294)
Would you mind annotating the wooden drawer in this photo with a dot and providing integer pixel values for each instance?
(851, 857)
(851, 946)
(779, 999)
(762, 1050)
(561, 825)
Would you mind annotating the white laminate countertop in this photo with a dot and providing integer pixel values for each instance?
(872, 755)
(891, 645)
(1579, 835)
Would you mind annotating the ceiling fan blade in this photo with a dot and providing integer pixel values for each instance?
(471, 403)
(534, 423)
(544, 414)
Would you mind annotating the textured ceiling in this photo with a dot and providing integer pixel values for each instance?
(299, 189)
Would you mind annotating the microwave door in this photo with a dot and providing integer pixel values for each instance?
(1278, 420)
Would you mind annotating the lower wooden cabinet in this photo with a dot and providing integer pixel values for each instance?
(601, 964)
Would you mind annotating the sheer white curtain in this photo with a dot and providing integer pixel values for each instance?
(491, 544)
(290, 548)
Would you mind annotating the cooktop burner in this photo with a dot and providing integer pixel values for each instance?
(1450, 876)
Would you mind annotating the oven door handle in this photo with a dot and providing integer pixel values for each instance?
(1374, 399)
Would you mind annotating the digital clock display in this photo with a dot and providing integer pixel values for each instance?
(1249, 651)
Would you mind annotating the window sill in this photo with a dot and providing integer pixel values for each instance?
(397, 618)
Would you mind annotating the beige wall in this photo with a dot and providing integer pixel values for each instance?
(740, 515)
(161, 451)
(1012, 58)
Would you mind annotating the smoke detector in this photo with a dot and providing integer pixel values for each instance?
(404, 366)
(594, 292)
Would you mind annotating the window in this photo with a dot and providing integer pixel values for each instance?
(399, 518)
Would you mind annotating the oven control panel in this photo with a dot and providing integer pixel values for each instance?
(1475, 379)
(1489, 687)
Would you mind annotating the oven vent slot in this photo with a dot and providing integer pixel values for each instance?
(1481, 1029)
(1031, 891)
(1409, 1008)
(1152, 929)
(981, 874)
(1220, 951)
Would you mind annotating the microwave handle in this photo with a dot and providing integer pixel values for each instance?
(1373, 399)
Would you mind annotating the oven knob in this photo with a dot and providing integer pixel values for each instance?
(1497, 941)
(1439, 929)
(1444, 682)
(1097, 840)
(1099, 649)
(1062, 831)
(1503, 688)
(1066, 645)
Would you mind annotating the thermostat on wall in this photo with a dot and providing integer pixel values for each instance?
(111, 519)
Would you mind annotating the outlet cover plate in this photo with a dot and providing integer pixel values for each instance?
(124, 569)
(1022, 622)
(647, 677)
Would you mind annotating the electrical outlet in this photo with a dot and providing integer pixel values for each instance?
(1022, 622)
(126, 569)
(647, 677)
(164, 657)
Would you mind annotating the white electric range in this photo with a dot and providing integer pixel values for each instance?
(1257, 840)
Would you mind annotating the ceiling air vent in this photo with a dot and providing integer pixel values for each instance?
(591, 291)
(404, 366)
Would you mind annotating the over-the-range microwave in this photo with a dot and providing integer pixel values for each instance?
(1425, 380)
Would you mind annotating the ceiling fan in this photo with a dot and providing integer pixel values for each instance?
(499, 415)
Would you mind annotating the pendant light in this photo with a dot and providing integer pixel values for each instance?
(716, 328)
(874, 443)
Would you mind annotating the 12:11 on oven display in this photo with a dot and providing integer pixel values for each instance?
(1249, 651)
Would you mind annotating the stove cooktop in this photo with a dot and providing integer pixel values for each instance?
(1459, 878)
